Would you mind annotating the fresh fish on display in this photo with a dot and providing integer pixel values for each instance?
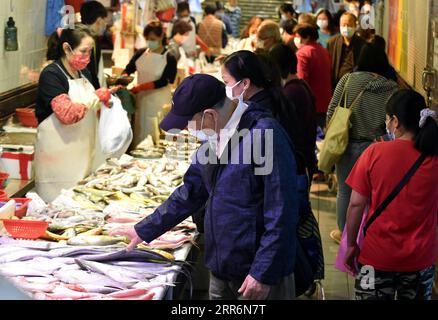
(134, 255)
(24, 284)
(22, 255)
(61, 292)
(130, 293)
(83, 277)
(92, 288)
(95, 240)
(119, 274)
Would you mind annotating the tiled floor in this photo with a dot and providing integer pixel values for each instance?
(337, 285)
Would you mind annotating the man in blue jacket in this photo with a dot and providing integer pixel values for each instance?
(250, 219)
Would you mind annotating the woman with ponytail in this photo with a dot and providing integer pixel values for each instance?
(400, 245)
(66, 113)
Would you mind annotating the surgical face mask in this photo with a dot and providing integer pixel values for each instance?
(229, 92)
(297, 42)
(219, 15)
(348, 31)
(78, 61)
(212, 138)
(284, 17)
(153, 44)
(322, 24)
(185, 19)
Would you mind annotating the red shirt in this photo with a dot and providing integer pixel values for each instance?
(403, 238)
(315, 67)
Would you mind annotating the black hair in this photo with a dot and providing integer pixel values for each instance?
(406, 105)
(337, 17)
(91, 11)
(183, 6)
(379, 41)
(209, 9)
(373, 58)
(181, 27)
(263, 74)
(285, 58)
(156, 27)
(329, 17)
(287, 7)
(307, 31)
(219, 6)
(72, 36)
(288, 26)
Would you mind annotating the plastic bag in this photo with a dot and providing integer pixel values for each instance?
(115, 133)
(340, 257)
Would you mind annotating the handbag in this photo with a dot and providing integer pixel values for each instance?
(365, 224)
(337, 135)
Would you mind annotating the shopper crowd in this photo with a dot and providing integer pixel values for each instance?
(289, 76)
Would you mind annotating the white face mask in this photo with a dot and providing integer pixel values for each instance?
(297, 42)
(186, 19)
(348, 32)
(322, 24)
(202, 136)
(284, 17)
(229, 93)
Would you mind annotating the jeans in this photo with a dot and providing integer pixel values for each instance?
(228, 290)
(343, 169)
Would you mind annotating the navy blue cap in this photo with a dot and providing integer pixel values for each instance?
(195, 94)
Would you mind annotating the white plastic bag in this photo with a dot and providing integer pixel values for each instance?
(115, 133)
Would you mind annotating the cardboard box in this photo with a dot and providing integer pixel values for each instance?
(19, 165)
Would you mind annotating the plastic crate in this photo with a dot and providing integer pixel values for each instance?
(25, 229)
(21, 205)
(27, 117)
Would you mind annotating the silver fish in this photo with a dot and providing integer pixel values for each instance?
(119, 274)
(83, 277)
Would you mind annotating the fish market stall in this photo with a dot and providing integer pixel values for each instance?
(77, 258)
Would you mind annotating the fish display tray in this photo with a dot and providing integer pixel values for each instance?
(25, 229)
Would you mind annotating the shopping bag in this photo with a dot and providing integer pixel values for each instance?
(336, 139)
(115, 133)
(340, 257)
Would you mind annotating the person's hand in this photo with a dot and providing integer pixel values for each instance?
(127, 231)
(351, 255)
(143, 87)
(116, 88)
(104, 95)
(253, 290)
(135, 89)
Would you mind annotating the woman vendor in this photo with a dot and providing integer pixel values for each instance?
(156, 69)
(66, 109)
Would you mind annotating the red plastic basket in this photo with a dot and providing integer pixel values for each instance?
(27, 117)
(3, 194)
(25, 229)
(21, 205)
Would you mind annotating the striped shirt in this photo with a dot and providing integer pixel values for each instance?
(368, 116)
(235, 15)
